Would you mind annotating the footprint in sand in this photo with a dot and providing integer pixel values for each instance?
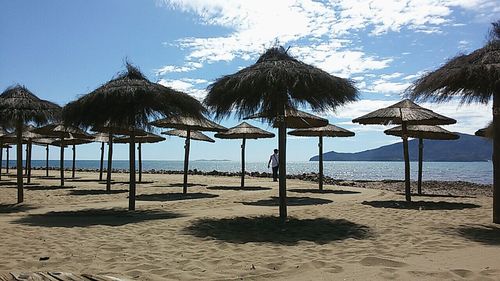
(464, 273)
(374, 261)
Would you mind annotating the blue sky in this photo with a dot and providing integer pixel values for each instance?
(63, 49)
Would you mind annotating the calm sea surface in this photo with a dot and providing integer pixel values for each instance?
(478, 172)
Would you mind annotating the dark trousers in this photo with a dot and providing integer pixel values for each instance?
(275, 173)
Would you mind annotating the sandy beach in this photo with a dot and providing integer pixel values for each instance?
(356, 231)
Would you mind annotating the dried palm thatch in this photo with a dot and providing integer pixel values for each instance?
(244, 131)
(474, 78)
(129, 101)
(405, 113)
(485, 132)
(277, 82)
(19, 106)
(422, 132)
(195, 135)
(294, 118)
(325, 131)
(109, 129)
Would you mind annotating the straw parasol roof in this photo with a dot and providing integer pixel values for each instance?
(19, 106)
(244, 130)
(130, 100)
(404, 111)
(72, 140)
(26, 134)
(62, 131)
(116, 130)
(148, 138)
(423, 132)
(101, 137)
(485, 132)
(294, 118)
(189, 123)
(195, 135)
(275, 83)
(327, 131)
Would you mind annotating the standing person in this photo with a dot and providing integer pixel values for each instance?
(274, 162)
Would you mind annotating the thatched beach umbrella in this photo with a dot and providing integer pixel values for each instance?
(244, 131)
(73, 141)
(46, 142)
(28, 136)
(485, 132)
(475, 78)
(18, 106)
(405, 113)
(129, 101)
(294, 118)
(106, 134)
(62, 132)
(7, 148)
(275, 83)
(148, 138)
(325, 131)
(2, 142)
(188, 124)
(422, 132)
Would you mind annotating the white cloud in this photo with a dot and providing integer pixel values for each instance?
(187, 85)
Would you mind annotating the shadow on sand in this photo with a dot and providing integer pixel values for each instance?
(97, 191)
(239, 188)
(174, 196)
(48, 187)
(90, 217)
(7, 183)
(291, 201)
(182, 185)
(270, 229)
(14, 208)
(420, 205)
(486, 234)
(324, 191)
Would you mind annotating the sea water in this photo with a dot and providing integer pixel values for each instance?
(477, 172)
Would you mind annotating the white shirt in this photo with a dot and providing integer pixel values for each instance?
(274, 160)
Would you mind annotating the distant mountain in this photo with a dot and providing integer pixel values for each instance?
(467, 148)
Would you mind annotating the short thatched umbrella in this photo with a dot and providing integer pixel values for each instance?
(422, 132)
(28, 137)
(45, 142)
(475, 78)
(188, 124)
(73, 141)
(106, 134)
(7, 148)
(294, 118)
(148, 138)
(63, 132)
(405, 113)
(277, 82)
(325, 131)
(2, 141)
(18, 106)
(485, 132)
(244, 131)
(129, 101)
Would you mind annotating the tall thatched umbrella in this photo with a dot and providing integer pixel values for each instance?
(148, 138)
(274, 83)
(485, 132)
(19, 106)
(475, 78)
(405, 113)
(46, 142)
(62, 132)
(244, 131)
(73, 141)
(325, 131)
(188, 124)
(129, 101)
(422, 132)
